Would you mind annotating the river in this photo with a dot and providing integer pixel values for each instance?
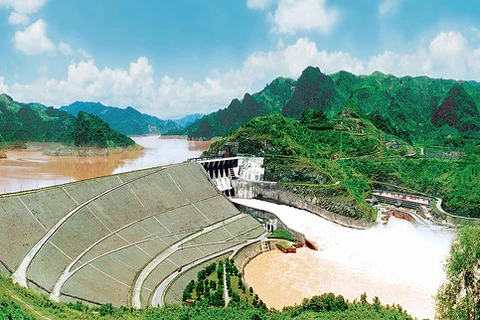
(31, 169)
(398, 262)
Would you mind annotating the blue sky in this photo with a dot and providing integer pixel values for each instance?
(171, 58)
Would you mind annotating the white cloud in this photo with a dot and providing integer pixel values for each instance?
(292, 16)
(23, 6)
(84, 53)
(447, 55)
(450, 51)
(18, 18)
(21, 9)
(3, 86)
(475, 32)
(259, 4)
(33, 40)
(388, 6)
(66, 49)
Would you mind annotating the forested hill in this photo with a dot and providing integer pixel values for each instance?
(128, 121)
(21, 122)
(412, 108)
(220, 123)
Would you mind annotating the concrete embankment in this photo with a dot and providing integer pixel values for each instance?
(272, 191)
(451, 218)
(266, 215)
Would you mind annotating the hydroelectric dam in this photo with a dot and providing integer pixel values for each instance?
(138, 238)
(119, 239)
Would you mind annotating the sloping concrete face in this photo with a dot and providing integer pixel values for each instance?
(93, 240)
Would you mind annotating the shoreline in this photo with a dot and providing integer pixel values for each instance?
(58, 149)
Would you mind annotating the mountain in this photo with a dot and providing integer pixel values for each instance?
(128, 121)
(20, 122)
(268, 101)
(91, 131)
(188, 119)
(411, 108)
(314, 90)
(32, 122)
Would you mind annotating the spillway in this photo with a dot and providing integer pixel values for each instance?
(398, 262)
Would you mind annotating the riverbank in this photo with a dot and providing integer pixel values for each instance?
(60, 149)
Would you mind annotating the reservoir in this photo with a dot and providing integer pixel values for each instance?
(31, 169)
(398, 262)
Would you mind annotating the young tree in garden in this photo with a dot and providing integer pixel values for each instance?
(459, 296)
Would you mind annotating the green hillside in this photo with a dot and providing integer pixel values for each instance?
(414, 109)
(91, 131)
(336, 162)
(34, 122)
(314, 90)
(220, 123)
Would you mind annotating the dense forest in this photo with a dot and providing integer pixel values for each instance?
(34, 122)
(337, 137)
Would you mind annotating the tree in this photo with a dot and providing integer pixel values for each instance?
(459, 296)
(106, 309)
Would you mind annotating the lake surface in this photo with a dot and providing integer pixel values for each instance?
(25, 170)
(399, 262)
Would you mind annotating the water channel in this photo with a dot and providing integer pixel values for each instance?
(399, 262)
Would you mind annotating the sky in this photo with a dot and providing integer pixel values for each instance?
(176, 57)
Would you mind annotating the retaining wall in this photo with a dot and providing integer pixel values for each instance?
(276, 192)
(265, 215)
(451, 218)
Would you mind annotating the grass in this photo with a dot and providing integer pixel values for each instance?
(282, 234)
(284, 245)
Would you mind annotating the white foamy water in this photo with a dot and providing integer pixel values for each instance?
(398, 254)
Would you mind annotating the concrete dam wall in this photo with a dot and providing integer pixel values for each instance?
(116, 238)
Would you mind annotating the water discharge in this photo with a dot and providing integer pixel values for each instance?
(399, 262)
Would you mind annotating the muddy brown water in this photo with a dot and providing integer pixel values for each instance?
(27, 169)
(399, 262)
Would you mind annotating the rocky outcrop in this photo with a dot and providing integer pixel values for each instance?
(458, 110)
